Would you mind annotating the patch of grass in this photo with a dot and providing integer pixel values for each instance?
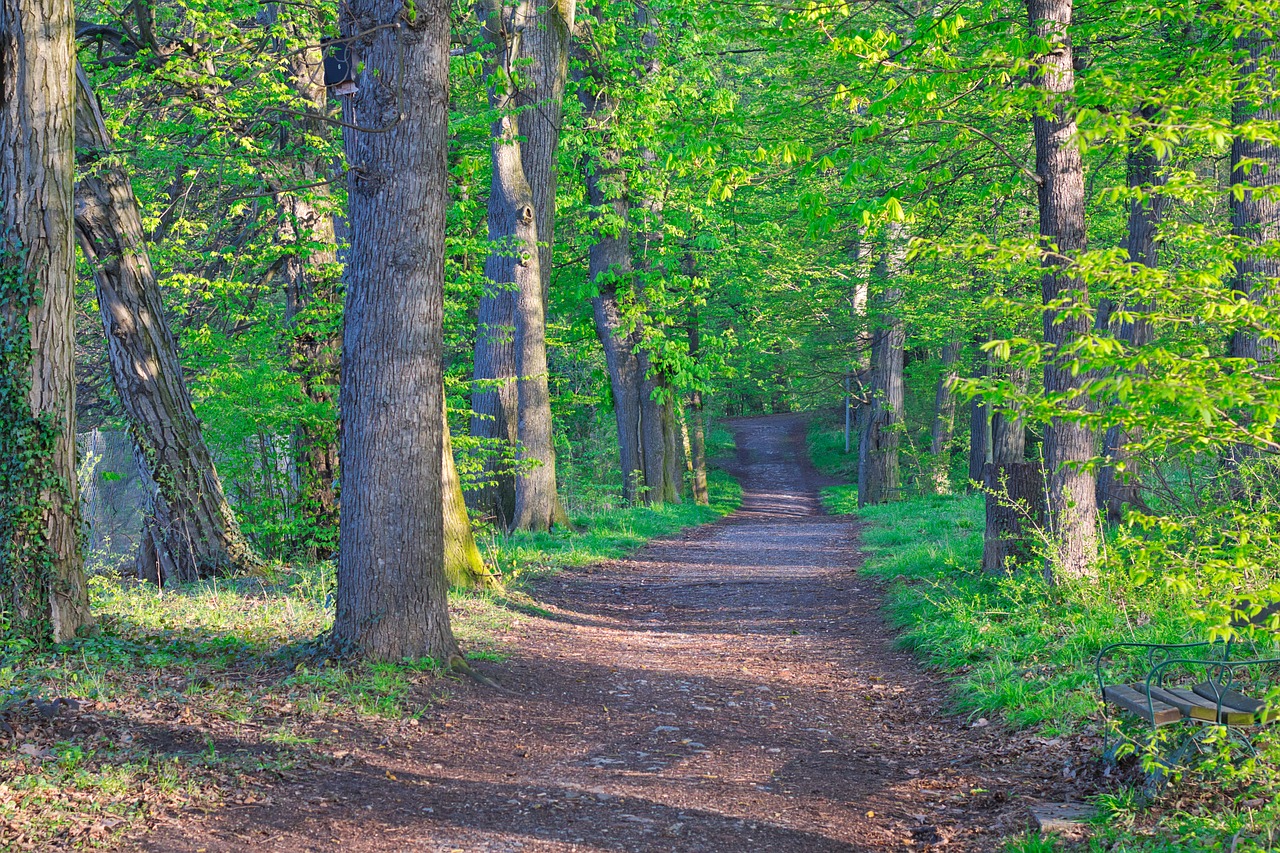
(233, 662)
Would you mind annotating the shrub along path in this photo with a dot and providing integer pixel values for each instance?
(732, 690)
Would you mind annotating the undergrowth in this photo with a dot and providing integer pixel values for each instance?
(1023, 652)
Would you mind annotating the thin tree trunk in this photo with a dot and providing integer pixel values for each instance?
(878, 470)
(1068, 444)
(190, 531)
(42, 585)
(1255, 217)
(392, 591)
(1118, 488)
(944, 418)
(698, 439)
(980, 438)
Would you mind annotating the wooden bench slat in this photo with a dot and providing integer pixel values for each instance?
(1238, 701)
(1133, 701)
(1199, 707)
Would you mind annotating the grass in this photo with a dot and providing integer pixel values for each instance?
(1018, 650)
(233, 666)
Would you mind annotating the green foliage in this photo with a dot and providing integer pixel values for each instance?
(29, 485)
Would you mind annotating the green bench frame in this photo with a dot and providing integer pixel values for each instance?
(1214, 701)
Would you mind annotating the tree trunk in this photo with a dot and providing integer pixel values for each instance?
(493, 397)
(463, 566)
(698, 439)
(190, 531)
(514, 264)
(1015, 509)
(310, 273)
(944, 419)
(392, 591)
(42, 586)
(878, 472)
(543, 62)
(1118, 483)
(1068, 444)
(980, 438)
(1255, 218)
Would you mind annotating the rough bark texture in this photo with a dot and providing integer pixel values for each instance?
(878, 471)
(514, 266)
(944, 418)
(1072, 502)
(1015, 508)
(42, 586)
(391, 601)
(1117, 488)
(190, 531)
(493, 397)
(1255, 218)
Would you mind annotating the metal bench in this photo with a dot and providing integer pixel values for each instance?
(1205, 683)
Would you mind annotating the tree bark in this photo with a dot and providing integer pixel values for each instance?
(514, 265)
(392, 591)
(698, 439)
(980, 438)
(42, 586)
(1068, 444)
(878, 470)
(544, 62)
(944, 419)
(190, 531)
(1015, 509)
(1118, 488)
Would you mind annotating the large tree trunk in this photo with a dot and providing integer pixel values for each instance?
(1068, 444)
(878, 471)
(392, 591)
(515, 265)
(42, 586)
(544, 62)
(1118, 483)
(944, 419)
(190, 531)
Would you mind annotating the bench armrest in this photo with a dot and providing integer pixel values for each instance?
(1105, 653)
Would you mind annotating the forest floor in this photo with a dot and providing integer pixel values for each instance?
(734, 689)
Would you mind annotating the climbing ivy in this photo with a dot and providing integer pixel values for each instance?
(28, 481)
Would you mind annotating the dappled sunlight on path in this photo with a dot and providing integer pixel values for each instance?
(732, 690)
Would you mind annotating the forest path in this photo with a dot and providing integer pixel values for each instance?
(732, 690)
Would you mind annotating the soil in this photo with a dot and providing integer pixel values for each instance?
(736, 689)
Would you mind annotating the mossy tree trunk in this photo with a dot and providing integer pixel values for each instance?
(42, 587)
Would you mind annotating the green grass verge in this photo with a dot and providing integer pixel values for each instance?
(1020, 651)
(233, 662)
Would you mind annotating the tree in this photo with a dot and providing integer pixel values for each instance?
(42, 585)
(190, 531)
(879, 479)
(391, 595)
(1068, 443)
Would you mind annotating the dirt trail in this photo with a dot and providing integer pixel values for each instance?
(732, 690)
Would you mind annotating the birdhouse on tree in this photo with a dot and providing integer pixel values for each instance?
(339, 73)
